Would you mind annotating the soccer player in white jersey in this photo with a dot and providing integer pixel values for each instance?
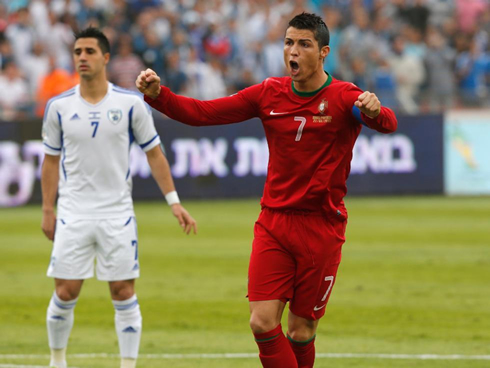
(87, 134)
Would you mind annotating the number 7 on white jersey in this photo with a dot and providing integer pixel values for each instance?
(301, 126)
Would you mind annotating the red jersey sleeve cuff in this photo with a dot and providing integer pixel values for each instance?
(150, 100)
(368, 119)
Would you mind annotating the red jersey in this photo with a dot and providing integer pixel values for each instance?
(310, 136)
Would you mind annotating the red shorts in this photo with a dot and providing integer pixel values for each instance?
(295, 257)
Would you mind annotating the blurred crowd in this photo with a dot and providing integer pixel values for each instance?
(419, 56)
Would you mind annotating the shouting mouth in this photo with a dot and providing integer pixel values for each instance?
(294, 67)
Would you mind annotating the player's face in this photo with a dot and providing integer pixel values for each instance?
(302, 54)
(88, 57)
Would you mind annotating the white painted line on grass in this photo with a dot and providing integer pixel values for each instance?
(22, 366)
(254, 355)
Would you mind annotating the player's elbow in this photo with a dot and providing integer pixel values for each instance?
(389, 128)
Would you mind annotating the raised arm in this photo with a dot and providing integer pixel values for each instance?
(232, 109)
(49, 185)
(160, 170)
(373, 115)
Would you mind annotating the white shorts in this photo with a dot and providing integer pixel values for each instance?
(113, 243)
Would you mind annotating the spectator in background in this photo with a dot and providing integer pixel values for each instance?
(246, 79)
(236, 42)
(468, 12)
(57, 80)
(358, 40)
(414, 42)
(206, 81)
(3, 18)
(21, 36)
(359, 73)
(273, 60)
(439, 61)
(418, 15)
(6, 53)
(216, 42)
(253, 59)
(383, 82)
(89, 11)
(153, 56)
(60, 41)
(39, 11)
(36, 66)
(14, 93)
(125, 67)
(175, 77)
(333, 19)
(471, 66)
(409, 74)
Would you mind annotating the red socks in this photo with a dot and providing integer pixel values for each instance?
(304, 352)
(275, 351)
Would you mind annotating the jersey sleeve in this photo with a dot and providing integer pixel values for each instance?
(226, 110)
(142, 126)
(385, 122)
(52, 131)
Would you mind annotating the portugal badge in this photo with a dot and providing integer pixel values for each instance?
(323, 106)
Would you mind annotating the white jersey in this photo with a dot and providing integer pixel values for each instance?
(94, 143)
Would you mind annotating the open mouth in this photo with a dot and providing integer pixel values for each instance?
(294, 66)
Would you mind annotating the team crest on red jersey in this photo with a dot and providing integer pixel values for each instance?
(322, 107)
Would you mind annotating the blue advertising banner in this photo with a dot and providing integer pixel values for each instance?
(467, 153)
(231, 161)
(407, 161)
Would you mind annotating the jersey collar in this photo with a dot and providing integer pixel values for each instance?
(312, 93)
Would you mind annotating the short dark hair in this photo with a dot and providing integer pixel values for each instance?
(92, 32)
(315, 24)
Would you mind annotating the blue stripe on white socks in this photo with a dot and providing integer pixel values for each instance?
(128, 326)
(70, 304)
(125, 304)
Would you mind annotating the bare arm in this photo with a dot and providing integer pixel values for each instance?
(160, 170)
(49, 185)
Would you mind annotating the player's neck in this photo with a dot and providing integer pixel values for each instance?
(93, 90)
(316, 81)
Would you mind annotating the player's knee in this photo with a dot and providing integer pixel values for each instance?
(301, 334)
(122, 293)
(261, 324)
(67, 294)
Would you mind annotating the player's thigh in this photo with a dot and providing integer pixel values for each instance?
(271, 269)
(315, 277)
(73, 252)
(117, 249)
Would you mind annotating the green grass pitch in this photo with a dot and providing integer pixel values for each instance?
(414, 279)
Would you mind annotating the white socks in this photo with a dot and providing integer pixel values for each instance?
(59, 320)
(128, 363)
(58, 358)
(128, 327)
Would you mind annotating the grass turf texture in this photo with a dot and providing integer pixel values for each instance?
(414, 280)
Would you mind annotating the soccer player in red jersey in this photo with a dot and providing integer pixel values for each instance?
(311, 122)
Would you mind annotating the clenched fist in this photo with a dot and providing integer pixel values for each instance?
(148, 82)
(369, 104)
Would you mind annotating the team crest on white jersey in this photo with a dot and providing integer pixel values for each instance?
(114, 115)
